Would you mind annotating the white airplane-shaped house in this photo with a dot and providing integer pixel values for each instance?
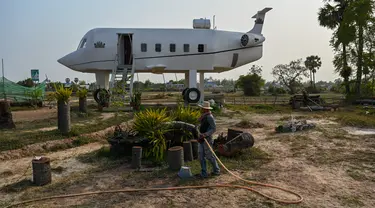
(106, 51)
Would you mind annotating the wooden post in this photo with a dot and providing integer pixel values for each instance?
(194, 146)
(136, 157)
(188, 151)
(41, 171)
(175, 157)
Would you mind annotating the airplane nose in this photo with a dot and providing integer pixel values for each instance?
(68, 60)
(62, 61)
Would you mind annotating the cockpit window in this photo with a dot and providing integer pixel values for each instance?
(82, 44)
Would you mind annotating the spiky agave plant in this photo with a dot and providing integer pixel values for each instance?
(62, 95)
(151, 123)
(82, 94)
(186, 114)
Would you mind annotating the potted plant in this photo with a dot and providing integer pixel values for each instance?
(62, 96)
(136, 100)
(82, 94)
(103, 99)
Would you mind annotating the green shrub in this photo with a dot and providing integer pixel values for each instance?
(151, 124)
(82, 93)
(186, 114)
(62, 94)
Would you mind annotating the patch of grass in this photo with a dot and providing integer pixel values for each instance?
(260, 108)
(328, 156)
(288, 118)
(356, 117)
(299, 144)
(22, 108)
(356, 175)
(82, 141)
(359, 160)
(58, 169)
(17, 186)
(247, 159)
(335, 134)
(103, 154)
(19, 139)
(248, 124)
(350, 201)
(6, 173)
(36, 124)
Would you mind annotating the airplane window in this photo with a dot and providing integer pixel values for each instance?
(143, 47)
(82, 44)
(200, 48)
(158, 47)
(172, 47)
(186, 47)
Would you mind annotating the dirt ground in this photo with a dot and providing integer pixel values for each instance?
(330, 166)
(32, 115)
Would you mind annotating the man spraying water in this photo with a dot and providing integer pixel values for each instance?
(206, 129)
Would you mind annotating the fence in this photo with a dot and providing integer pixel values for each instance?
(270, 100)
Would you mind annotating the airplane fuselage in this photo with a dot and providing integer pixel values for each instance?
(160, 50)
(172, 50)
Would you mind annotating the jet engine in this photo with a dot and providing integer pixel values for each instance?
(249, 39)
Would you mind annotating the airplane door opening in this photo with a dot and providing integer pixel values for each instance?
(125, 49)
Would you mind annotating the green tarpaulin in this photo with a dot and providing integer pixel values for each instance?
(19, 93)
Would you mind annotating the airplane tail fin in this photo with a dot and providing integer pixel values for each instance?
(259, 20)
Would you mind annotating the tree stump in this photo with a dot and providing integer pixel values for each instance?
(194, 145)
(41, 171)
(175, 157)
(6, 118)
(83, 105)
(188, 151)
(63, 117)
(136, 157)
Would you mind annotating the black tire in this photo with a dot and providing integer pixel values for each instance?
(192, 90)
(183, 92)
(96, 94)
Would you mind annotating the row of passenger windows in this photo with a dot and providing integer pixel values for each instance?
(172, 47)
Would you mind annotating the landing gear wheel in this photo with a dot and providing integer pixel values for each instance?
(183, 92)
(98, 93)
(192, 95)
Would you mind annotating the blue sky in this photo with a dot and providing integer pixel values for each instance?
(35, 33)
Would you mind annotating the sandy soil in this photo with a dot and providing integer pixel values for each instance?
(328, 167)
(32, 115)
(38, 149)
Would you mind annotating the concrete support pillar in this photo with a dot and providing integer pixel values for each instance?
(186, 79)
(102, 79)
(193, 78)
(201, 85)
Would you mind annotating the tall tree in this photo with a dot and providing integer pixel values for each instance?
(359, 13)
(332, 16)
(369, 60)
(252, 82)
(290, 74)
(313, 63)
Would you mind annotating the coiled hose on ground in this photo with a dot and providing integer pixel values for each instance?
(185, 187)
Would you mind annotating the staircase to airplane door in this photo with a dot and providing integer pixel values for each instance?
(122, 78)
(123, 75)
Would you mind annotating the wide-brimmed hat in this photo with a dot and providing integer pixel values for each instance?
(206, 105)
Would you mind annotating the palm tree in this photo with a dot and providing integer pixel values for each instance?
(360, 14)
(313, 63)
(332, 16)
